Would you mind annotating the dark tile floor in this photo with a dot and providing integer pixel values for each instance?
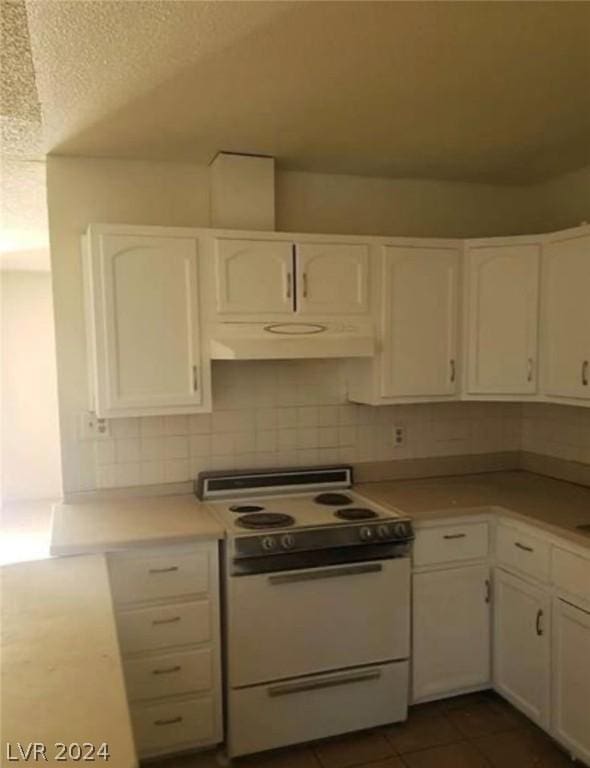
(476, 731)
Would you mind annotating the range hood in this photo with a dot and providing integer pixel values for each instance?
(291, 340)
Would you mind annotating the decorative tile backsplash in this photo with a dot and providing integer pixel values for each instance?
(283, 413)
(562, 431)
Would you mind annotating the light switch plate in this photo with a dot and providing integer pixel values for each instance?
(92, 428)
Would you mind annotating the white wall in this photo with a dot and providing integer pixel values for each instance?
(82, 190)
(31, 466)
(565, 201)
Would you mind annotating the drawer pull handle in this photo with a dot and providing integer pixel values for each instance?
(171, 721)
(488, 591)
(538, 625)
(585, 373)
(523, 547)
(173, 620)
(348, 570)
(325, 682)
(530, 369)
(170, 569)
(167, 671)
(454, 535)
(453, 370)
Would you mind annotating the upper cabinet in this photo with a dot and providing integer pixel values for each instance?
(332, 279)
(142, 310)
(420, 315)
(501, 284)
(566, 315)
(254, 277)
(268, 277)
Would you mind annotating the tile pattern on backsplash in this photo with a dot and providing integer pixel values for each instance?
(282, 413)
(561, 431)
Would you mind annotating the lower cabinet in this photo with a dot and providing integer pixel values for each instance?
(522, 637)
(451, 631)
(167, 611)
(571, 678)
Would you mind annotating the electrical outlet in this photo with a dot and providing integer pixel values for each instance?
(91, 428)
(399, 436)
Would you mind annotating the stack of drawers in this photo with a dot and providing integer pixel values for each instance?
(167, 610)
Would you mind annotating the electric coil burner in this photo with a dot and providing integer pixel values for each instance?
(242, 509)
(333, 499)
(356, 513)
(265, 520)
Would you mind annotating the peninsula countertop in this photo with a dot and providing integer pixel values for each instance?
(554, 505)
(107, 525)
(62, 679)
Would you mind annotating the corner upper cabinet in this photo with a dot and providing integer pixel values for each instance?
(254, 277)
(501, 281)
(565, 318)
(143, 322)
(332, 279)
(420, 322)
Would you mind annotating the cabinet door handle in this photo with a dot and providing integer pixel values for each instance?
(523, 547)
(585, 373)
(453, 367)
(304, 281)
(488, 597)
(530, 369)
(170, 569)
(173, 620)
(454, 535)
(167, 670)
(538, 624)
(195, 378)
(289, 285)
(171, 721)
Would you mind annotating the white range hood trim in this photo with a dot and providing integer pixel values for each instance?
(254, 341)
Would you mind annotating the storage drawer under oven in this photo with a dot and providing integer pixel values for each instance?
(275, 715)
(299, 622)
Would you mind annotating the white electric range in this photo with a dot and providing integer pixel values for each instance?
(317, 606)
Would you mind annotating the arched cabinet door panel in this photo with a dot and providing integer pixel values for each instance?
(332, 279)
(502, 286)
(254, 277)
(143, 313)
(566, 317)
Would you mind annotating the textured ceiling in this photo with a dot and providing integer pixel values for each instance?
(476, 91)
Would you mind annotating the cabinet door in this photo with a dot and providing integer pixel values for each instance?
(502, 319)
(566, 317)
(571, 678)
(451, 631)
(144, 305)
(254, 277)
(332, 279)
(522, 645)
(420, 321)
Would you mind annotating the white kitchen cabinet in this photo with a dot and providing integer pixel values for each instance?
(420, 308)
(571, 678)
(522, 653)
(143, 321)
(566, 315)
(501, 283)
(254, 277)
(451, 631)
(332, 278)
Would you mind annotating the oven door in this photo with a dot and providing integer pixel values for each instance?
(292, 623)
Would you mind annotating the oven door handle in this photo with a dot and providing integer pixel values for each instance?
(323, 682)
(321, 573)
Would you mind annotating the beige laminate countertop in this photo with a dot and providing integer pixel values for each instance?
(61, 676)
(101, 526)
(554, 505)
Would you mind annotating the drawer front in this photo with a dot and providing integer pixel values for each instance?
(169, 674)
(147, 629)
(267, 716)
(173, 725)
(571, 573)
(451, 543)
(159, 574)
(523, 552)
